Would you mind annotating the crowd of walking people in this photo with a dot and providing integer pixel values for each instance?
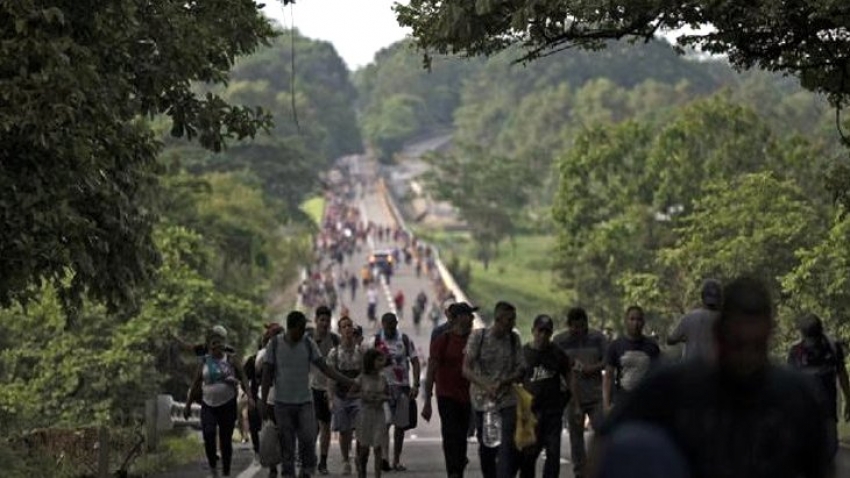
(724, 410)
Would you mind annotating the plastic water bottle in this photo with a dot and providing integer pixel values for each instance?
(492, 425)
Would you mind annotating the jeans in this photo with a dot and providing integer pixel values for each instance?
(575, 423)
(454, 424)
(296, 420)
(222, 419)
(503, 461)
(548, 432)
(641, 450)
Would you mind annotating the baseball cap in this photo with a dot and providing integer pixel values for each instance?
(543, 321)
(461, 308)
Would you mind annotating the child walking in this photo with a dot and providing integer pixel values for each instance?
(372, 421)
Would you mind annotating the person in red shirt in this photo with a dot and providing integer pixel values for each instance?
(445, 369)
(399, 304)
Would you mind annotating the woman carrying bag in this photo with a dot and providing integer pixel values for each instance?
(217, 379)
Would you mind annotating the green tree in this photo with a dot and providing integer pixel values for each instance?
(754, 224)
(805, 39)
(604, 223)
(819, 283)
(488, 192)
(396, 121)
(77, 161)
(397, 73)
(102, 370)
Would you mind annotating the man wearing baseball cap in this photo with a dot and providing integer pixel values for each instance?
(549, 378)
(445, 368)
(445, 326)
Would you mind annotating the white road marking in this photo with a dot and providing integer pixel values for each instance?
(250, 471)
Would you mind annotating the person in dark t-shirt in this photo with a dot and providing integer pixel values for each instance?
(586, 347)
(822, 359)
(627, 360)
(738, 418)
(549, 378)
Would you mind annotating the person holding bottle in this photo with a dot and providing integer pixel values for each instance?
(493, 363)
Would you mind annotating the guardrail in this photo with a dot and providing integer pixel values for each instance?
(445, 275)
(163, 413)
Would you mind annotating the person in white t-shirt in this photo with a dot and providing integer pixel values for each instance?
(401, 358)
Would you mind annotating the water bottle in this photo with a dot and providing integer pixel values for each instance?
(491, 433)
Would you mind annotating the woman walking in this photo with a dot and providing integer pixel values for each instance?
(218, 379)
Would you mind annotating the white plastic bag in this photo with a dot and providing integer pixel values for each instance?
(269, 445)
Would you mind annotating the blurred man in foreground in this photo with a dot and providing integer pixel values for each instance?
(741, 417)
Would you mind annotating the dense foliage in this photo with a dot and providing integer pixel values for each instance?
(805, 39)
(77, 163)
(223, 228)
(303, 141)
(400, 101)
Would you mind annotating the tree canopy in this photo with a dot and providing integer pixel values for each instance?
(77, 159)
(805, 39)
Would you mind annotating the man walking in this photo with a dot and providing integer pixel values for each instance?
(493, 363)
(445, 368)
(549, 378)
(401, 357)
(627, 360)
(822, 359)
(741, 417)
(587, 349)
(325, 341)
(287, 364)
(696, 328)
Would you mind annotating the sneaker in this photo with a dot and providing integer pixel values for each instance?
(322, 469)
(385, 466)
(346, 468)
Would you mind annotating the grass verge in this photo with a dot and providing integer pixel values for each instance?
(521, 274)
(175, 449)
(315, 208)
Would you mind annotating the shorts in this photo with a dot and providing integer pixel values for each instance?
(320, 406)
(345, 414)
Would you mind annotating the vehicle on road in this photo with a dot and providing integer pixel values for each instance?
(382, 260)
